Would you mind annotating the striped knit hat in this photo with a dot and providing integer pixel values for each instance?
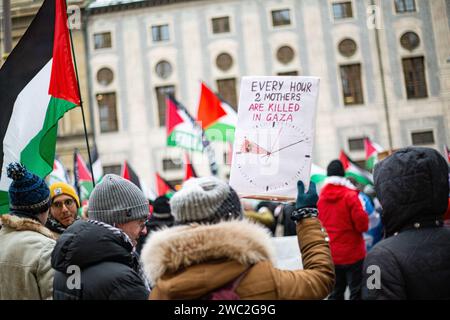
(206, 199)
(117, 200)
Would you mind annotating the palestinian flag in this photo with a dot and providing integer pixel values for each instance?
(189, 169)
(181, 129)
(163, 187)
(129, 174)
(59, 173)
(217, 117)
(318, 174)
(372, 149)
(82, 177)
(37, 86)
(353, 170)
(97, 167)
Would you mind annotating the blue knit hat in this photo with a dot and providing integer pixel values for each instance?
(27, 191)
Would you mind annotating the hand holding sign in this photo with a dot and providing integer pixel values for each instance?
(274, 136)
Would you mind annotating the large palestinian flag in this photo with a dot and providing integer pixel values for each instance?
(37, 86)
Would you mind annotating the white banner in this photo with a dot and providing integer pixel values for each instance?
(274, 136)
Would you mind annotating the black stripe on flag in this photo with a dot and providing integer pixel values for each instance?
(30, 55)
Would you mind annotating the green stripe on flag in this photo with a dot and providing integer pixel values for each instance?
(359, 178)
(185, 140)
(220, 132)
(39, 154)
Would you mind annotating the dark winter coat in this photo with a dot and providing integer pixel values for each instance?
(414, 261)
(108, 269)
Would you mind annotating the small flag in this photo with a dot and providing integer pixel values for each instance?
(163, 187)
(59, 173)
(97, 167)
(372, 149)
(217, 117)
(82, 177)
(189, 169)
(129, 174)
(353, 170)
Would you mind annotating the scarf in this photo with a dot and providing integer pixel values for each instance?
(55, 226)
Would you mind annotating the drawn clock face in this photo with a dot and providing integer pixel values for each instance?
(273, 156)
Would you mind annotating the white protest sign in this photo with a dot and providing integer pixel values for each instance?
(274, 136)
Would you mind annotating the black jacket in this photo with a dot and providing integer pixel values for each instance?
(108, 269)
(413, 262)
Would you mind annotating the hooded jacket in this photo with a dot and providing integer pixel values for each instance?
(414, 260)
(190, 261)
(25, 249)
(108, 269)
(345, 220)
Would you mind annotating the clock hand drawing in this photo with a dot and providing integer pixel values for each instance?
(252, 147)
(285, 147)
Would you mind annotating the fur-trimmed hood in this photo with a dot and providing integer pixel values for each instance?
(25, 224)
(172, 249)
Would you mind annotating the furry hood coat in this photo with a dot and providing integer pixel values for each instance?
(25, 269)
(189, 261)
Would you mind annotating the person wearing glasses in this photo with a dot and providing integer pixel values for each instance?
(63, 209)
(98, 256)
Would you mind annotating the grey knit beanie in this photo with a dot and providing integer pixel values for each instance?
(117, 200)
(206, 199)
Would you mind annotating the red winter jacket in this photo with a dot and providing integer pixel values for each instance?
(345, 220)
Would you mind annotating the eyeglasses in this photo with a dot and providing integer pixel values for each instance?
(68, 203)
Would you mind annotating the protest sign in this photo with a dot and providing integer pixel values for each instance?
(274, 136)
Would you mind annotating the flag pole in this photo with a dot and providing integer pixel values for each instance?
(81, 103)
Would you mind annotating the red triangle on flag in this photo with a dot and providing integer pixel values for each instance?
(189, 169)
(370, 149)
(129, 174)
(209, 108)
(162, 187)
(344, 159)
(172, 117)
(83, 171)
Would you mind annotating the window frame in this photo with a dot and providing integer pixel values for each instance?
(221, 32)
(162, 115)
(340, 2)
(404, 12)
(285, 25)
(159, 26)
(361, 83)
(405, 85)
(422, 131)
(94, 34)
(233, 104)
(116, 109)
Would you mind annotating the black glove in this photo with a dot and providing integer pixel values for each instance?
(306, 204)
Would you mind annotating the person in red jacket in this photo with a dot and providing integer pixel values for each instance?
(345, 220)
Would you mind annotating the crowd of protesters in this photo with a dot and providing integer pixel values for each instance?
(386, 241)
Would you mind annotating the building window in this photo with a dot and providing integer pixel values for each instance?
(402, 6)
(285, 54)
(163, 69)
(105, 76)
(221, 25)
(351, 84)
(114, 169)
(107, 110)
(227, 90)
(288, 73)
(160, 33)
(422, 138)
(347, 47)
(356, 144)
(102, 40)
(224, 61)
(161, 93)
(410, 41)
(415, 82)
(342, 10)
(281, 17)
(172, 164)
